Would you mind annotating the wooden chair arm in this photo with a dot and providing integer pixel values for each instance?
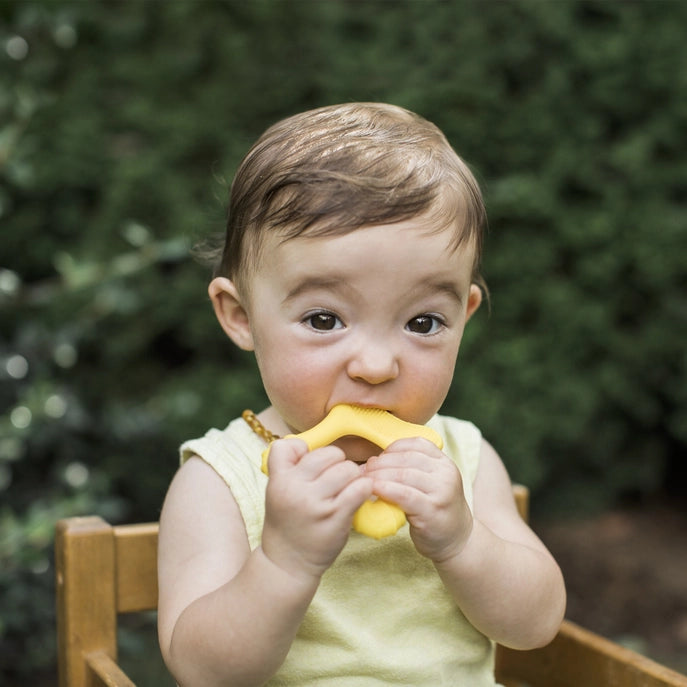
(104, 671)
(580, 657)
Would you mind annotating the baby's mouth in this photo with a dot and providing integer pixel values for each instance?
(357, 449)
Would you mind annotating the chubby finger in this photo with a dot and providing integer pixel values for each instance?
(403, 458)
(415, 444)
(331, 479)
(290, 454)
(400, 475)
(426, 505)
(285, 453)
(353, 495)
(403, 495)
(418, 480)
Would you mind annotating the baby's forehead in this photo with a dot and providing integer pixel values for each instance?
(432, 221)
(275, 247)
(310, 261)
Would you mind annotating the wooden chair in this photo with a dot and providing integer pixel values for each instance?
(104, 571)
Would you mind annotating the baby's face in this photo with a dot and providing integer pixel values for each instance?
(372, 318)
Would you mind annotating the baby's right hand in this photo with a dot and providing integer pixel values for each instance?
(309, 505)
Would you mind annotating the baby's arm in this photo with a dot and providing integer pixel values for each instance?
(504, 579)
(215, 593)
(228, 615)
(500, 574)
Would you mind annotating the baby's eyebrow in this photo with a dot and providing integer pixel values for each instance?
(448, 287)
(317, 283)
(341, 284)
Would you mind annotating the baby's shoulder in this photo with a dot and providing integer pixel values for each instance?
(453, 429)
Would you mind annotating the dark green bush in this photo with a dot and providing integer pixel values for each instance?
(120, 123)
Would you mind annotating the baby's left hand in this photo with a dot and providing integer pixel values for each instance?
(427, 485)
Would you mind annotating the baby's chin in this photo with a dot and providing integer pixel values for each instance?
(357, 449)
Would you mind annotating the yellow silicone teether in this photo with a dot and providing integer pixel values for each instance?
(375, 518)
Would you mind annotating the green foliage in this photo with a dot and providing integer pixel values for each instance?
(120, 123)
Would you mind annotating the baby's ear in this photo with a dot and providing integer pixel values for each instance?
(474, 300)
(230, 312)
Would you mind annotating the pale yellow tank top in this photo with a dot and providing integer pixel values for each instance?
(381, 615)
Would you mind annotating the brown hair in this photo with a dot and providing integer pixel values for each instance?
(339, 168)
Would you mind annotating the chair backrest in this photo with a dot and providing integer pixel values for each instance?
(104, 571)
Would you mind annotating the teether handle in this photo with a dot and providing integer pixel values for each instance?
(376, 518)
(376, 425)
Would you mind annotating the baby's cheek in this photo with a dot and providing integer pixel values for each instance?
(300, 399)
(424, 394)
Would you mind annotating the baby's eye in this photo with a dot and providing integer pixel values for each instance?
(424, 324)
(323, 321)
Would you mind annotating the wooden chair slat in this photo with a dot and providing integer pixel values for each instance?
(522, 501)
(104, 671)
(85, 566)
(136, 551)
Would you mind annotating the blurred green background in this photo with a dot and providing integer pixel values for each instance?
(121, 124)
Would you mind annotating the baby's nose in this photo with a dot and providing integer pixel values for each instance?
(374, 362)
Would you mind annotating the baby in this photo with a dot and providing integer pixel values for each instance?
(351, 267)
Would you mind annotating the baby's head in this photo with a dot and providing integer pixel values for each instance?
(336, 169)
